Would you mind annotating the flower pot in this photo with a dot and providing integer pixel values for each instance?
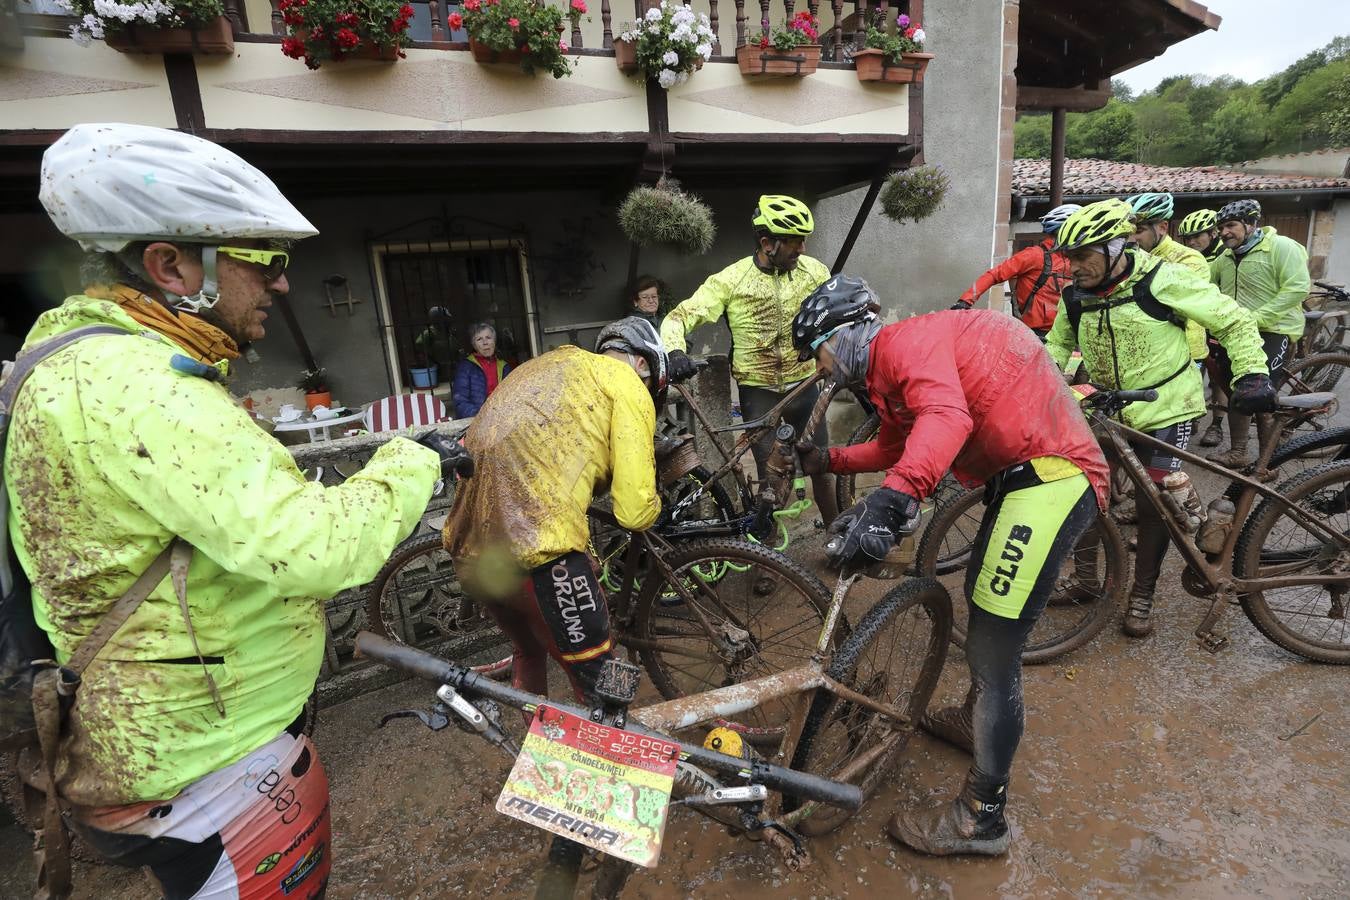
(755, 60)
(485, 54)
(374, 51)
(872, 65)
(424, 377)
(214, 37)
(318, 398)
(625, 56)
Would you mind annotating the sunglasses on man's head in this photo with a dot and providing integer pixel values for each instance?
(273, 262)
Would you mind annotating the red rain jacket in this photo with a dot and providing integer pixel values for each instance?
(970, 391)
(1025, 269)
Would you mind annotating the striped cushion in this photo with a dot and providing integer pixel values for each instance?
(405, 411)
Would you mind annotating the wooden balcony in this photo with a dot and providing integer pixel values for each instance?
(438, 110)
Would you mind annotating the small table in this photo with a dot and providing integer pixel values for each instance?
(319, 428)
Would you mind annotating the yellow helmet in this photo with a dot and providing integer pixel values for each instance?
(783, 215)
(1095, 223)
(1198, 221)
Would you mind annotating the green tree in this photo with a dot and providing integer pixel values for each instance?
(1121, 90)
(1237, 131)
(1296, 122)
(1165, 133)
(1335, 119)
(1106, 133)
(1031, 137)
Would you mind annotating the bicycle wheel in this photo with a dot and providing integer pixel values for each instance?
(1327, 336)
(1089, 588)
(1308, 620)
(1304, 452)
(765, 613)
(416, 599)
(894, 656)
(1309, 375)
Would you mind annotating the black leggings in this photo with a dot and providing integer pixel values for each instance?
(757, 401)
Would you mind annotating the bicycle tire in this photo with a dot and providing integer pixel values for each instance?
(1070, 619)
(854, 666)
(845, 486)
(1328, 336)
(454, 617)
(1333, 482)
(1307, 375)
(797, 613)
(1316, 448)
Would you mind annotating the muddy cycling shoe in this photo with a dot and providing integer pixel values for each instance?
(1213, 435)
(951, 724)
(1236, 458)
(973, 823)
(1138, 616)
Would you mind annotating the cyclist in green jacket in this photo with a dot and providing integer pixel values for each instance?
(759, 295)
(1200, 232)
(1122, 312)
(186, 749)
(1267, 274)
(1152, 219)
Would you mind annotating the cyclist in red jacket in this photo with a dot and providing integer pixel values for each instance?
(976, 394)
(1038, 275)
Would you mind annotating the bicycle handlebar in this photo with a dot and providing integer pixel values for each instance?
(440, 671)
(1135, 396)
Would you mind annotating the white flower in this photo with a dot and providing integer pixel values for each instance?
(683, 77)
(653, 29)
(704, 50)
(80, 36)
(683, 33)
(919, 35)
(653, 15)
(668, 78)
(630, 35)
(671, 58)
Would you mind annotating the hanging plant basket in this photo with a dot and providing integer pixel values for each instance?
(913, 194)
(664, 215)
(872, 65)
(756, 60)
(214, 37)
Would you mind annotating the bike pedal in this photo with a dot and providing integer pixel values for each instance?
(1213, 642)
(618, 682)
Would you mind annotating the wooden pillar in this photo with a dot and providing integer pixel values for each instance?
(1057, 156)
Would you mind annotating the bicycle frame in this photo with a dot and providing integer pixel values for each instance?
(1214, 572)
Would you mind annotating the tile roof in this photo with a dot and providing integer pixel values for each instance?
(1097, 177)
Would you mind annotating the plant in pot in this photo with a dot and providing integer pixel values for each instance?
(526, 32)
(666, 215)
(337, 30)
(894, 56)
(789, 49)
(154, 26)
(914, 194)
(314, 382)
(667, 44)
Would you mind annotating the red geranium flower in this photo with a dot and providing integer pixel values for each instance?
(348, 19)
(909, 32)
(293, 47)
(346, 38)
(455, 21)
(514, 23)
(405, 11)
(579, 5)
(473, 5)
(764, 42)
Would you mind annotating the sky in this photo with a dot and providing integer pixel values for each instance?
(1256, 38)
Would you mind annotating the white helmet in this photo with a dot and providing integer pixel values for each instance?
(110, 185)
(1051, 221)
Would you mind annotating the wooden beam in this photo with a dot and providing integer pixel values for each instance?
(1057, 157)
(1071, 99)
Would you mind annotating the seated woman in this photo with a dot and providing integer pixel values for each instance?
(646, 300)
(478, 375)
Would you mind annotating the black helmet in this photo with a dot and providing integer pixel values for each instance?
(636, 335)
(1248, 211)
(840, 301)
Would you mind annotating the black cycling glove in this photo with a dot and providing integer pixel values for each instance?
(1253, 393)
(454, 458)
(680, 366)
(870, 529)
(963, 304)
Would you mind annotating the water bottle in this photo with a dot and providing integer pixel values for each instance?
(782, 463)
(1183, 501)
(1214, 533)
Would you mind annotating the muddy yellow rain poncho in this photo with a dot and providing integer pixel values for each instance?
(557, 432)
(1172, 251)
(759, 307)
(111, 454)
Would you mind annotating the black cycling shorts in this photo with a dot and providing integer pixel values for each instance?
(1276, 346)
(1159, 462)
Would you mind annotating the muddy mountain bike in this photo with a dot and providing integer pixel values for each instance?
(842, 716)
(1282, 554)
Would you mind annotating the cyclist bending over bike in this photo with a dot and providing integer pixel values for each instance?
(1126, 311)
(562, 428)
(975, 393)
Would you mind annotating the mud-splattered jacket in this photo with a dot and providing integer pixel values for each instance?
(1171, 251)
(1125, 347)
(111, 454)
(972, 392)
(563, 427)
(1271, 280)
(759, 307)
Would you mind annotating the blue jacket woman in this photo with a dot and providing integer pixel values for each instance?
(478, 375)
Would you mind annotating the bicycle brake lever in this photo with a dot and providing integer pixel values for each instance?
(433, 720)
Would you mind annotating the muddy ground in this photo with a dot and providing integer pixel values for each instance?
(1149, 768)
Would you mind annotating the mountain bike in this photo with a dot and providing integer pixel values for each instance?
(846, 715)
(1284, 556)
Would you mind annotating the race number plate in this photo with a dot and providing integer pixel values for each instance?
(600, 786)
